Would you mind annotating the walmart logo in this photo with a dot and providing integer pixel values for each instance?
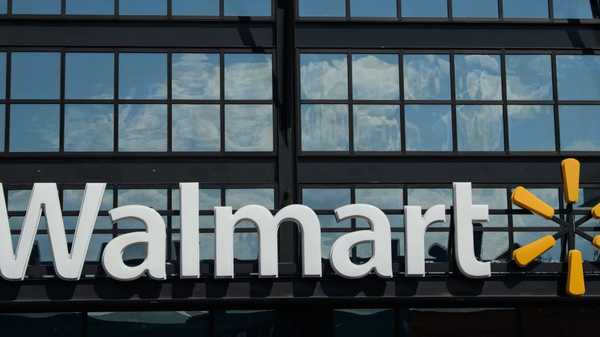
(569, 227)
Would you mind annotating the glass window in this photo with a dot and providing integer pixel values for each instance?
(247, 7)
(364, 322)
(196, 76)
(384, 198)
(480, 128)
(549, 195)
(322, 8)
(375, 76)
(89, 127)
(377, 128)
(578, 77)
(524, 238)
(475, 8)
(36, 6)
(531, 128)
(2, 126)
(590, 253)
(326, 198)
(18, 200)
(91, 7)
(424, 8)
(478, 77)
(35, 76)
(238, 198)
(429, 197)
(579, 128)
(142, 127)
(525, 8)
(85, 82)
(42, 324)
(495, 198)
(491, 246)
(34, 128)
(573, 9)
(324, 127)
(196, 128)
(528, 77)
(426, 77)
(3, 7)
(72, 200)
(140, 324)
(142, 76)
(195, 7)
(248, 128)
(428, 128)
(436, 247)
(248, 76)
(324, 76)
(2, 75)
(153, 198)
(209, 198)
(143, 7)
(254, 323)
(373, 8)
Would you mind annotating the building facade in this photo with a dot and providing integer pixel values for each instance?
(315, 102)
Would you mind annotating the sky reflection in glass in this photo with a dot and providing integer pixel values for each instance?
(375, 77)
(428, 128)
(247, 7)
(248, 76)
(196, 76)
(373, 8)
(529, 77)
(90, 7)
(85, 82)
(531, 128)
(331, 8)
(480, 128)
(324, 127)
(424, 8)
(573, 9)
(89, 127)
(248, 128)
(475, 8)
(578, 77)
(377, 128)
(142, 127)
(525, 9)
(579, 128)
(427, 77)
(196, 128)
(34, 128)
(143, 7)
(36, 6)
(142, 76)
(196, 7)
(324, 76)
(35, 75)
(478, 77)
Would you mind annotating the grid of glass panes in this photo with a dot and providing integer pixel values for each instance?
(456, 9)
(365, 102)
(174, 8)
(136, 101)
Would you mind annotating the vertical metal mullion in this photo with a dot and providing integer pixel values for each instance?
(84, 324)
(9, 6)
(402, 103)
(221, 8)
(7, 107)
(350, 103)
(116, 57)
(453, 103)
(61, 140)
(555, 105)
(450, 10)
(170, 223)
(116, 11)
(170, 101)
(115, 227)
(501, 10)
(551, 9)
(169, 8)
(504, 102)
(509, 211)
(398, 9)
(348, 10)
(222, 96)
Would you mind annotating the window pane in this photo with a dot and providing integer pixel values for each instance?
(248, 128)
(495, 198)
(384, 198)
(578, 77)
(322, 8)
(143, 7)
(209, 198)
(85, 82)
(153, 198)
(253, 323)
(573, 9)
(195, 7)
(424, 8)
(324, 76)
(324, 128)
(2, 126)
(491, 246)
(590, 252)
(142, 76)
(36, 7)
(238, 198)
(436, 247)
(140, 324)
(531, 128)
(3, 6)
(35, 76)
(91, 7)
(552, 255)
(2, 75)
(428, 128)
(475, 8)
(142, 127)
(196, 76)
(525, 8)
(373, 8)
(247, 7)
(377, 128)
(248, 76)
(364, 322)
(72, 200)
(375, 77)
(579, 128)
(478, 77)
(528, 77)
(43, 324)
(480, 128)
(196, 128)
(89, 127)
(326, 198)
(426, 77)
(429, 197)
(34, 128)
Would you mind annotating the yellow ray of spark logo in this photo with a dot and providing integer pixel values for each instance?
(569, 227)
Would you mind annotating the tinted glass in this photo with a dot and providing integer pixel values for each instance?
(426, 77)
(248, 76)
(578, 77)
(528, 77)
(573, 9)
(35, 76)
(3, 6)
(324, 127)
(373, 8)
(480, 128)
(475, 8)
(238, 198)
(2, 126)
(324, 76)
(424, 8)
(579, 128)
(143, 7)
(196, 128)
(364, 322)
(244, 323)
(91, 7)
(142, 127)
(138, 324)
(478, 77)
(196, 76)
(525, 8)
(491, 246)
(384, 198)
(46, 324)
(142, 76)
(72, 200)
(89, 127)
(248, 128)
(326, 198)
(375, 77)
(531, 128)
(322, 8)
(376, 128)
(36, 7)
(85, 82)
(429, 197)
(2, 75)
(195, 7)
(34, 128)
(153, 198)
(247, 7)
(428, 128)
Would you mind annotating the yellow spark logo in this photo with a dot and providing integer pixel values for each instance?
(569, 227)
